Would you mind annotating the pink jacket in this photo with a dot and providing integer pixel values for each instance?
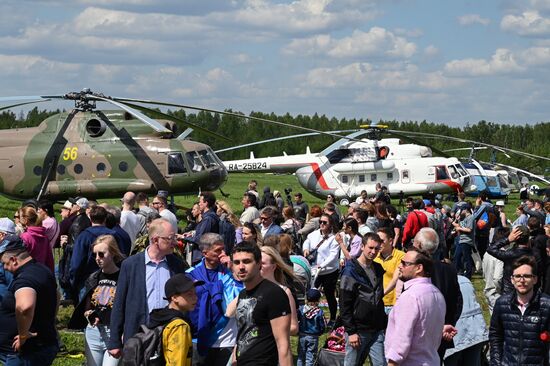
(38, 245)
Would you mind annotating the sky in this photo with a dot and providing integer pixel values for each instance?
(452, 62)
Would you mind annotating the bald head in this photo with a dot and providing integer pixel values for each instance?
(426, 240)
(129, 199)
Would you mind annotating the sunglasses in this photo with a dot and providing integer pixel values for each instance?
(323, 222)
(100, 254)
(264, 218)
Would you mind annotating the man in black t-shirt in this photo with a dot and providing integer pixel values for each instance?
(34, 290)
(263, 313)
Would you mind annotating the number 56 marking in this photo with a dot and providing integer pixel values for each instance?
(70, 153)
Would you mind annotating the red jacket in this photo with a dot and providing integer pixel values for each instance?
(416, 220)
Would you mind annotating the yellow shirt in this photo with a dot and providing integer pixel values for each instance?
(176, 343)
(390, 266)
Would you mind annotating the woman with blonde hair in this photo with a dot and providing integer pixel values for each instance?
(94, 310)
(35, 238)
(276, 270)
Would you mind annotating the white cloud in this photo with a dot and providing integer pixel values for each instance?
(536, 56)
(470, 19)
(377, 42)
(431, 51)
(529, 23)
(502, 62)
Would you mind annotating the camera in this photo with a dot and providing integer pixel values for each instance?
(288, 190)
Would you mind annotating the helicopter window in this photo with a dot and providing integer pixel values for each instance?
(61, 169)
(78, 168)
(405, 174)
(208, 158)
(337, 155)
(123, 166)
(361, 178)
(373, 177)
(441, 173)
(453, 171)
(37, 170)
(176, 165)
(461, 170)
(492, 182)
(194, 161)
(100, 167)
(344, 178)
(390, 176)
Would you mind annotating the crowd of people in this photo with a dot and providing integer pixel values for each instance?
(229, 289)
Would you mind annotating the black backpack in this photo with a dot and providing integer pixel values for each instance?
(145, 347)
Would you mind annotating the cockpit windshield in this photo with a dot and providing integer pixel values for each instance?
(441, 173)
(194, 161)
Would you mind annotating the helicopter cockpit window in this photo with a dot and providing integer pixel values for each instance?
(492, 182)
(337, 155)
(454, 172)
(461, 170)
(441, 173)
(194, 161)
(176, 165)
(208, 158)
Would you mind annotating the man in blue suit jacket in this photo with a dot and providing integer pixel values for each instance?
(268, 226)
(140, 287)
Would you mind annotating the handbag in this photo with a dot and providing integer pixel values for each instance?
(312, 256)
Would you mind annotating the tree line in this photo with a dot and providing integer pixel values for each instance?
(240, 130)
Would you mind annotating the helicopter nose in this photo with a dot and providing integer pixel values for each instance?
(306, 178)
(218, 177)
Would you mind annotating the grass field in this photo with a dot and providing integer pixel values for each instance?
(236, 185)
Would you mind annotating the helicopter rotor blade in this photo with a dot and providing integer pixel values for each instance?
(276, 139)
(24, 103)
(155, 125)
(177, 120)
(233, 114)
(521, 153)
(401, 135)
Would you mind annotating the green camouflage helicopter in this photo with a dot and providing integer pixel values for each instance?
(103, 153)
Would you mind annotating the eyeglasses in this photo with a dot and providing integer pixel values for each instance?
(156, 203)
(323, 222)
(169, 238)
(264, 218)
(406, 264)
(100, 254)
(524, 277)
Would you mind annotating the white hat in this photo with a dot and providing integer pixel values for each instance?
(7, 226)
(82, 203)
(68, 205)
(500, 203)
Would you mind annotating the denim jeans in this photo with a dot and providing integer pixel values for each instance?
(372, 344)
(308, 345)
(463, 261)
(96, 348)
(43, 356)
(10, 359)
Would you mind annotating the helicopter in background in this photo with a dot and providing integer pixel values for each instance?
(351, 165)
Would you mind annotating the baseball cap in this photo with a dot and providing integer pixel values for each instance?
(7, 226)
(82, 202)
(179, 284)
(11, 243)
(68, 205)
(313, 294)
(427, 202)
(500, 203)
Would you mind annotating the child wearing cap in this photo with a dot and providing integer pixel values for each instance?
(176, 336)
(312, 325)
